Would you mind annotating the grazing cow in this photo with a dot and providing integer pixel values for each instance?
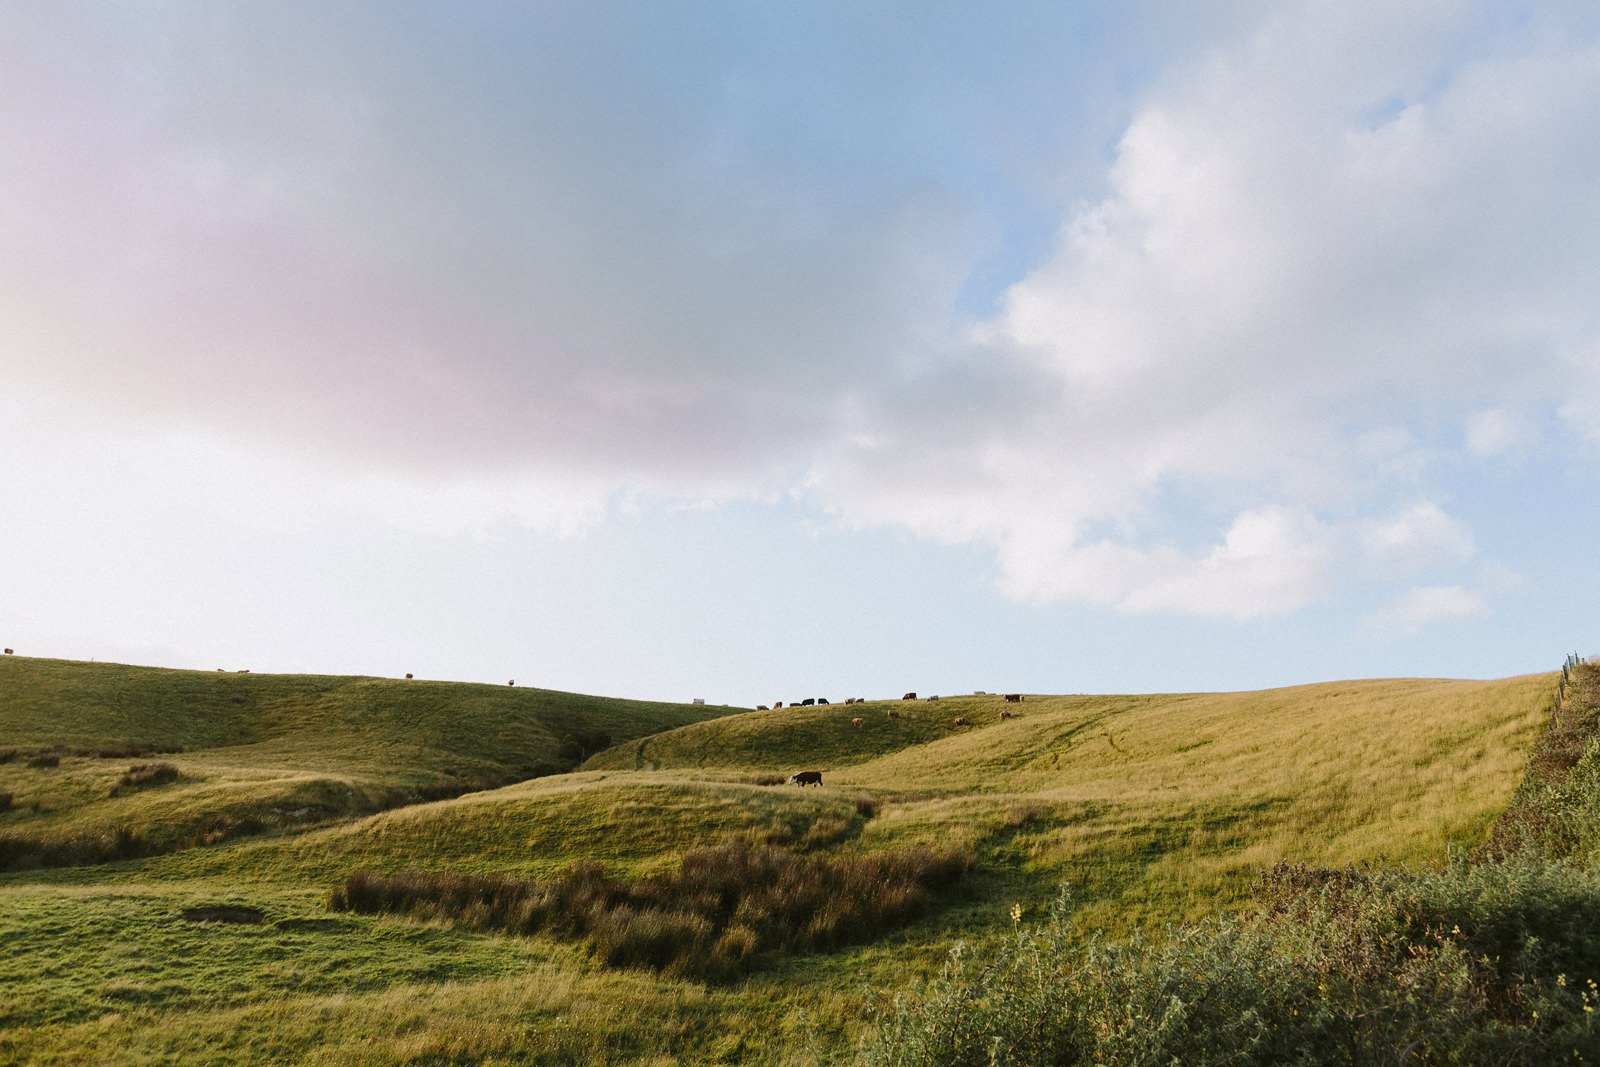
(893, 714)
(821, 701)
(408, 676)
(221, 671)
(512, 682)
(1013, 698)
(848, 701)
(857, 722)
(805, 778)
(761, 707)
(909, 696)
(961, 720)
(1004, 715)
(934, 697)
(242, 670)
(807, 702)
(777, 704)
(9, 652)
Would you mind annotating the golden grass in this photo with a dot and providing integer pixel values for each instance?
(1154, 807)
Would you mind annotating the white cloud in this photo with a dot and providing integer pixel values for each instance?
(1319, 242)
(645, 264)
(1270, 561)
(1423, 606)
(1419, 537)
(1495, 431)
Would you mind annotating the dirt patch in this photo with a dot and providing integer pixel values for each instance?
(241, 916)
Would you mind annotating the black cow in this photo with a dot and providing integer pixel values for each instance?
(1013, 698)
(805, 778)
(806, 703)
(821, 701)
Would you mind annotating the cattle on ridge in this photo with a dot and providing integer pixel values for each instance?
(761, 707)
(777, 704)
(909, 696)
(806, 703)
(821, 701)
(10, 653)
(1013, 698)
(408, 675)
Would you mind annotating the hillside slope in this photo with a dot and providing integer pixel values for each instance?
(253, 751)
(1154, 808)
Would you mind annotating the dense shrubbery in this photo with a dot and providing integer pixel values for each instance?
(143, 774)
(1493, 960)
(22, 850)
(714, 917)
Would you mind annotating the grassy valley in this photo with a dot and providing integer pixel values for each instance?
(1155, 808)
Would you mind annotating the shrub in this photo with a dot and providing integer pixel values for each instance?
(866, 807)
(712, 918)
(45, 760)
(143, 774)
(1492, 960)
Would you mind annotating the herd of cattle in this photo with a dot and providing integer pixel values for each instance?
(1011, 698)
(805, 778)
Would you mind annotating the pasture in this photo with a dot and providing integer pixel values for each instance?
(1155, 808)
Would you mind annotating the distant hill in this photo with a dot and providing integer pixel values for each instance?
(251, 747)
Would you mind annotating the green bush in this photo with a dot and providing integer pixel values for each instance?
(1492, 960)
(714, 917)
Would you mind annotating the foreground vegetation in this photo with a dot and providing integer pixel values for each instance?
(1493, 959)
(449, 808)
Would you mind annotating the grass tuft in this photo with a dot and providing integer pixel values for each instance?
(712, 918)
(143, 774)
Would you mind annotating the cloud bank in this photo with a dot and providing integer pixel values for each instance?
(529, 264)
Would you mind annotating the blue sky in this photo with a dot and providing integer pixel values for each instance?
(753, 352)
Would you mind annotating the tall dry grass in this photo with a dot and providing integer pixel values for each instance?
(716, 916)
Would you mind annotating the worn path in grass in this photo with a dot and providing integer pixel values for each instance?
(1154, 807)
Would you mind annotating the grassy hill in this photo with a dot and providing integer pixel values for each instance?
(254, 751)
(1154, 807)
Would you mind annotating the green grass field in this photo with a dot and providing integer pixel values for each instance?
(1154, 808)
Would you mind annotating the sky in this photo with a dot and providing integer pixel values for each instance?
(754, 352)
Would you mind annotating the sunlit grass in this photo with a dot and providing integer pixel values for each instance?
(1155, 808)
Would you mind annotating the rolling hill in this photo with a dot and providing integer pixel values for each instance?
(1154, 807)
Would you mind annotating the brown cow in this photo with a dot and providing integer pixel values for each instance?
(1004, 715)
(848, 701)
(893, 714)
(9, 652)
(1013, 698)
(909, 696)
(761, 707)
(934, 697)
(512, 682)
(961, 720)
(777, 704)
(408, 676)
(857, 722)
(805, 778)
